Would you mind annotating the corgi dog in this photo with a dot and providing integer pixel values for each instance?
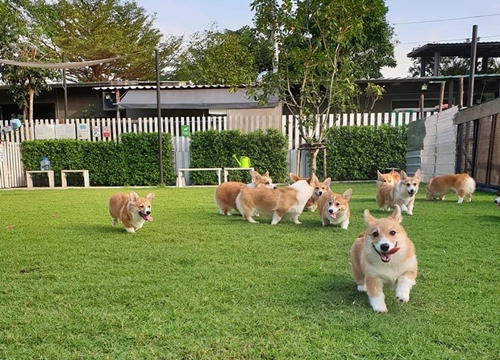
(226, 193)
(390, 178)
(334, 208)
(277, 203)
(497, 200)
(439, 186)
(320, 188)
(132, 210)
(384, 255)
(402, 193)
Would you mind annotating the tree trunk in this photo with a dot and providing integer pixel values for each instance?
(314, 157)
(31, 93)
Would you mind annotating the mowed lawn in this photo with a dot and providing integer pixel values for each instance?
(197, 285)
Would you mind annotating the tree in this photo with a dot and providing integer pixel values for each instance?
(221, 57)
(20, 41)
(84, 30)
(324, 46)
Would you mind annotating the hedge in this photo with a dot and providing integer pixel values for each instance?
(356, 152)
(132, 161)
(268, 151)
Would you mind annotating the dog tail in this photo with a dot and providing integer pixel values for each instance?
(469, 185)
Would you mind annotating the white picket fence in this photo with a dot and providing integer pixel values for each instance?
(110, 129)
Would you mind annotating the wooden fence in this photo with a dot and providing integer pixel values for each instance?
(110, 129)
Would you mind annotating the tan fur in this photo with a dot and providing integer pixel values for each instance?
(276, 203)
(439, 186)
(390, 178)
(226, 193)
(402, 194)
(334, 208)
(320, 188)
(128, 208)
(373, 265)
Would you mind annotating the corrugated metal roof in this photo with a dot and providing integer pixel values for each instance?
(153, 87)
(484, 49)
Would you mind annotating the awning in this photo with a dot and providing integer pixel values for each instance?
(191, 99)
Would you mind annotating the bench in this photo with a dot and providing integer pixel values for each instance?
(50, 176)
(226, 171)
(181, 181)
(85, 173)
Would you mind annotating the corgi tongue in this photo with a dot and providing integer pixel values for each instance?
(393, 251)
(333, 215)
(147, 217)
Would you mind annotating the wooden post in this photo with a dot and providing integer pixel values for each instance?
(461, 91)
(441, 96)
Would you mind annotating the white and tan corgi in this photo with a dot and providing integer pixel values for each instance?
(442, 185)
(402, 194)
(320, 188)
(384, 255)
(226, 193)
(334, 208)
(132, 210)
(390, 178)
(277, 203)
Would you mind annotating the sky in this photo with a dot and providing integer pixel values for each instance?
(185, 17)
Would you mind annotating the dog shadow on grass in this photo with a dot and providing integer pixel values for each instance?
(338, 290)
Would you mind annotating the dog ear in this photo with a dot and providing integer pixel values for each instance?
(266, 174)
(379, 175)
(313, 180)
(294, 177)
(417, 174)
(368, 217)
(396, 214)
(133, 196)
(403, 175)
(327, 182)
(255, 176)
(150, 196)
(347, 194)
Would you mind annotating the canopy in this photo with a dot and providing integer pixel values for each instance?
(179, 98)
(70, 65)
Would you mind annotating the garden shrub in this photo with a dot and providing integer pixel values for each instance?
(132, 161)
(267, 152)
(356, 152)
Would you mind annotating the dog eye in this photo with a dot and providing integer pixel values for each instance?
(392, 233)
(375, 234)
(330, 203)
(267, 182)
(337, 204)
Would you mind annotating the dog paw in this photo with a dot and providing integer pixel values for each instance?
(380, 310)
(362, 287)
(404, 298)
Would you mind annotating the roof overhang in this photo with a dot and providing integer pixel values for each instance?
(191, 98)
(484, 49)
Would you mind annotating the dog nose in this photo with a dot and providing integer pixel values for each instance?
(411, 191)
(148, 212)
(330, 211)
(275, 187)
(384, 247)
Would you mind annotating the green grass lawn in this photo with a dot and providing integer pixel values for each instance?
(197, 285)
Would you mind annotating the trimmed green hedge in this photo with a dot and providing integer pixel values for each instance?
(268, 151)
(356, 152)
(133, 161)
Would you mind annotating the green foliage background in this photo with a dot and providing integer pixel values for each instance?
(131, 161)
(268, 151)
(356, 152)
